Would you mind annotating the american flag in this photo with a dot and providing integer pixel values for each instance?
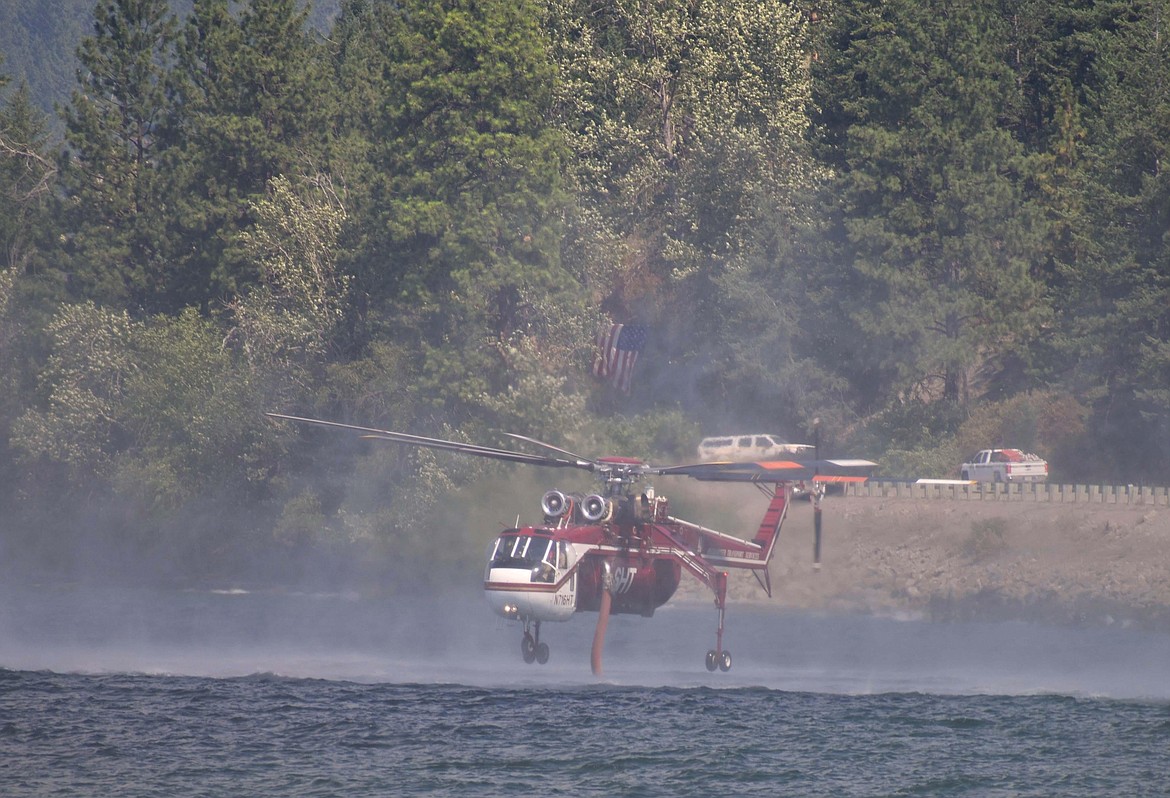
(617, 352)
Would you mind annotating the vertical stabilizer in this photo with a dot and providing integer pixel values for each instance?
(769, 531)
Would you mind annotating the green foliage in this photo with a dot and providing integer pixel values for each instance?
(285, 325)
(462, 214)
(939, 461)
(301, 519)
(111, 196)
(188, 407)
(661, 104)
(376, 387)
(911, 438)
(666, 433)
(935, 227)
(248, 103)
(84, 385)
(27, 178)
(156, 408)
(1049, 423)
(1045, 422)
(944, 237)
(912, 423)
(535, 401)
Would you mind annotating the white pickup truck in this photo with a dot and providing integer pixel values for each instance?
(1004, 465)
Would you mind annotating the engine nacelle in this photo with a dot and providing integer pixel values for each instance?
(555, 504)
(596, 509)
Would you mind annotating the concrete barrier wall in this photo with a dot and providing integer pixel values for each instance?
(1008, 492)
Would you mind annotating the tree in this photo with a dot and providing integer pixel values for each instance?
(84, 381)
(284, 327)
(687, 121)
(463, 213)
(112, 207)
(1116, 336)
(247, 104)
(27, 177)
(689, 124)
(943, 236)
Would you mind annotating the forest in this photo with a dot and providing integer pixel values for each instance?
(909, 228)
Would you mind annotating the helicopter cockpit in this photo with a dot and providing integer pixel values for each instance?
(542, 556)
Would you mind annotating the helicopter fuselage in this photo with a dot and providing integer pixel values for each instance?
(544, 575)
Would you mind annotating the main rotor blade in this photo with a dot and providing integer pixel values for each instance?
(776, 471)
(549, 446)
(439, 443)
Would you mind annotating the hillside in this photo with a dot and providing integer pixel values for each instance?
(949, 559)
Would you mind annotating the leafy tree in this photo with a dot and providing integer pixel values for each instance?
(81, 423)
(284, 327)
(154, 412)
(194, 419)
(689, 122)
(110, 177)
(663, 102)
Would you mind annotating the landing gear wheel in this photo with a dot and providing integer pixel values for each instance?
(725, 661)
(712, 660)
(542, 653)
(528, 648)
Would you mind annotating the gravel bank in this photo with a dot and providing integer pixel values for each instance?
(947, 560)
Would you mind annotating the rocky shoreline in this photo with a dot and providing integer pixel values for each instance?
(950, 560)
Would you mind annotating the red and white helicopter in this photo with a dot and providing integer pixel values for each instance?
(620, 550)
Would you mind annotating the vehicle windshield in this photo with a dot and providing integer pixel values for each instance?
(520, 551)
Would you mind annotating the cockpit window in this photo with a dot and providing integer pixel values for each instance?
(520, 551)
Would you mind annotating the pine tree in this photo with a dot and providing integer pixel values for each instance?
(247, 103)
(463, 208)
(1116, 335)
(109, 177)
(940, 229)
(27, 177)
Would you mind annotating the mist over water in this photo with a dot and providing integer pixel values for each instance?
(149, 692)
(453, 638)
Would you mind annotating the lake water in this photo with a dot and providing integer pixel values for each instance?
(153, 693)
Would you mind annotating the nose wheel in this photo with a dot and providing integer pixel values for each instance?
(531, 649)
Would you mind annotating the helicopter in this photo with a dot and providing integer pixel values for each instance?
(619, 550)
